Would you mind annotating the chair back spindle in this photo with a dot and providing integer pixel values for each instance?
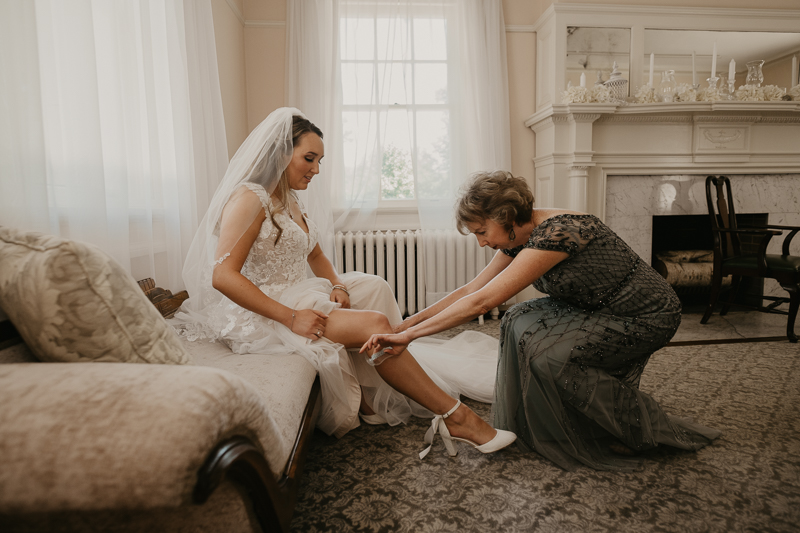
(725, 213)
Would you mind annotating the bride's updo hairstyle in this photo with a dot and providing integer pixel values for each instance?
(497, 196)
(300, 127)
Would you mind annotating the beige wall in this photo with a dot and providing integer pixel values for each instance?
(265, 49)
(519, 16)
(229, 36)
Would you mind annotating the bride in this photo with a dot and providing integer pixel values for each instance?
(246, 273)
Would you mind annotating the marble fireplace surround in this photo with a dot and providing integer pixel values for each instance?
(633, 201)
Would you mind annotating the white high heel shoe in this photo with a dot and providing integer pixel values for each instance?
(501, 439)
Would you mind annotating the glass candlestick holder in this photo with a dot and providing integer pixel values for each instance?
(725, 89)
(712, 82)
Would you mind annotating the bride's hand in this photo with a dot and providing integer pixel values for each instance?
(309, 323)
(341, 297)
(391, 343)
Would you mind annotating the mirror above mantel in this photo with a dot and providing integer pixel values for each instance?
(583, 38)
(593, 52)
(673, 51)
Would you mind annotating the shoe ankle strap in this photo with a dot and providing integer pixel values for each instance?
(453, 410)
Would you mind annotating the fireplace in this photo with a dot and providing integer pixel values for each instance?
(682, 252)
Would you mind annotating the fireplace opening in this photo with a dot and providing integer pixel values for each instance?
(683, 253)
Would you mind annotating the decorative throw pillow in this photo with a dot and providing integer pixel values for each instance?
(72, 302)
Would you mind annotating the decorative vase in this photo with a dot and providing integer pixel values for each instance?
(668, 86)
(754, 75)
(617, 85)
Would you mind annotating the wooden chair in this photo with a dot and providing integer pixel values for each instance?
(729, 261)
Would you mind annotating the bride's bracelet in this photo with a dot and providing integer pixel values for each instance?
(341, 288)
(291, 326)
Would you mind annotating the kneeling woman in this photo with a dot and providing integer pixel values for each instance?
(570, 364)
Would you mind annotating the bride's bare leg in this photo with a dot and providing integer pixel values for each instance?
(352, 328)
(365, 407)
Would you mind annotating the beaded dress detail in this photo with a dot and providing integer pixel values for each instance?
(570, 364)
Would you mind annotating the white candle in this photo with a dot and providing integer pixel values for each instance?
(652, 63)
(714, 61)
(694, 71)
(583, 79)
(732, 71)
(794, 72)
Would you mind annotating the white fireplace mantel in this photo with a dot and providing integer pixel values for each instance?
(579, 145)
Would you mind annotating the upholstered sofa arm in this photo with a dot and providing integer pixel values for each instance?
(100, 436)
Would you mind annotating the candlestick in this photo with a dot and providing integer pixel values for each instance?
(652, 63)
(794, 72)
(731, 71)
(583, 79)
(714, 61)
(694, 71)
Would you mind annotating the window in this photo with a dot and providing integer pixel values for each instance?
(395, 93)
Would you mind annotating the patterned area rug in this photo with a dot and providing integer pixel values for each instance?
(747, 480)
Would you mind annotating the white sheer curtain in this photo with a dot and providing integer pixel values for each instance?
(420, 81)
(111, 128)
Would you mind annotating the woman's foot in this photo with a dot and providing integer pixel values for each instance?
(465, 424)
(620, 449)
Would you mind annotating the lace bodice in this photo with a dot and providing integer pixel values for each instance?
(275, 267)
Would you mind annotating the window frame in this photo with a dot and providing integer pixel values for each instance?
(400, 207)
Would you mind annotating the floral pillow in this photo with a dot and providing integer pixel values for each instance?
(71, 302)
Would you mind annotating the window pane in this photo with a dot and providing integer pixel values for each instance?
(394, 83)
(430, 83)
(359, 141)
(430, 39)
(358, 83)
(357, 38)
(433, 153)
(393, 39)
(397, 171)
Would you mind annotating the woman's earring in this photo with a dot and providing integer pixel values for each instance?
(512, 235)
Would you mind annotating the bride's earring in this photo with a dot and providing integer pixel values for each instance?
(512, 235)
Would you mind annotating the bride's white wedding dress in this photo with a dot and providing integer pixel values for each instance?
(463, 365)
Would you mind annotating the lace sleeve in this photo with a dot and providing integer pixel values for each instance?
(561, 233)
(564, 233)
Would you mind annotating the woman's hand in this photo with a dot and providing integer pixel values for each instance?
(309, 323)
(341, 297)
(391, 343)
(405, 324)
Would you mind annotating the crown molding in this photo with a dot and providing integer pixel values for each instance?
(265, 24)
(689, 12)
(520, 28)
(235, 9)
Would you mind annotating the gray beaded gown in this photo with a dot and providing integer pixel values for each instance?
(570, 364)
